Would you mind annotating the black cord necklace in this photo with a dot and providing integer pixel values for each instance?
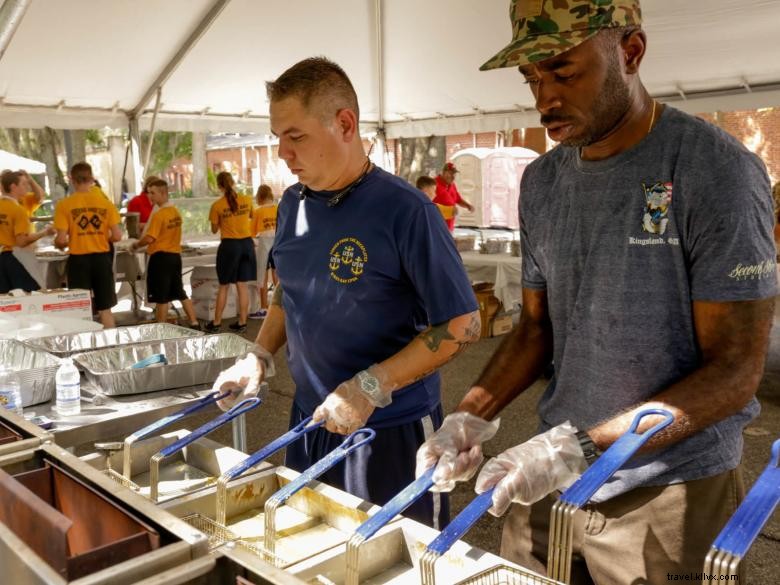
(341, 195)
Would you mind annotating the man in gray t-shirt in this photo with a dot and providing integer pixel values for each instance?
(648, 277)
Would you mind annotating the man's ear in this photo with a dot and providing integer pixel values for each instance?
(634, 46)
(347, 124)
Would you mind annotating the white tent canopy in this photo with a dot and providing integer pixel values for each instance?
(16, 163)
(94, 63)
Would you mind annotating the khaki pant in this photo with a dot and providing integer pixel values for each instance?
(637, 538)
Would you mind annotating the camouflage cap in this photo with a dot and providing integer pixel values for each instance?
(545, 28)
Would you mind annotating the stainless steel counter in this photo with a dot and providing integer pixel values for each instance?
(112, 416)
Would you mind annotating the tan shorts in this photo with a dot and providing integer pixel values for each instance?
(638, 538)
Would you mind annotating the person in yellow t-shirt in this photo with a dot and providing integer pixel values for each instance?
(163, 240)
(428, 186)
(231, 216)
(264, 230)
(87, 224)
(15, 233)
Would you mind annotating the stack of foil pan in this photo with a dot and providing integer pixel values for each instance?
(193, 361)
(34, 368)
(66, 345)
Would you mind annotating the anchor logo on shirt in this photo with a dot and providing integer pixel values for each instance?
(348, 258)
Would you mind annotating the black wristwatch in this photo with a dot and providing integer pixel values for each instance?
(589, 448)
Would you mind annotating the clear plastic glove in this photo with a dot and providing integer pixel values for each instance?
(349, 406)
(526, 473)
(243, 378)
(455, 449)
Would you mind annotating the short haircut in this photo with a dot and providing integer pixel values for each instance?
(264, 194)
(424, 181)
(9, 178)
(149, 180)
(320, 84)
(156, 182)
(81, 173)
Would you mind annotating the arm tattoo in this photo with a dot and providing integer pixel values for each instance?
(433, 336)
(276, 298)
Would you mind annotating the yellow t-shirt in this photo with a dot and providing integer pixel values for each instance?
(447, 211)
(264, 219)
(30, 203)
(165, 227)
(13, 222)
(88, 218)
(234, 226)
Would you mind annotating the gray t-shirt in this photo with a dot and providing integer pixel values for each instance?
(623, 246)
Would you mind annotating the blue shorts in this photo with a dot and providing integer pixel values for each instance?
(236, 261)
(378, 471)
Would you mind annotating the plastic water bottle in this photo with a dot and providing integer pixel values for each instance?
(68, 382)
(10, 393)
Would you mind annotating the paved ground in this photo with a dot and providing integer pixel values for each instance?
(519, 423)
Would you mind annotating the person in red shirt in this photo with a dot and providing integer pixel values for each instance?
(142, 203)
(447, 193)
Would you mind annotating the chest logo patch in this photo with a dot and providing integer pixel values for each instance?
(658, 200)
(348, 258)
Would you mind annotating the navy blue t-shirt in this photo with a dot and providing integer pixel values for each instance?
(361, 280)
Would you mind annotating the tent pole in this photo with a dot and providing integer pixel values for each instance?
(152, 129)
(135, 153)
(11, 15)
(380, 81)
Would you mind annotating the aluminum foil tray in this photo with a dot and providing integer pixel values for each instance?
(65, 345)
(193, 361)
(34, 367)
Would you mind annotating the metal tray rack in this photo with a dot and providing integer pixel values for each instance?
(35, 369)
(192, 361)
(66, 345)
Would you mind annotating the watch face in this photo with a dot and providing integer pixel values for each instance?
(370, 384)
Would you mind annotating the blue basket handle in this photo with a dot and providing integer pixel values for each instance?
(157, 358)
(338, 454)
(462, 522)
(241, 408)
(754, 511)
(405, 498)
(276, 445)
(613, 458)
(151, 429)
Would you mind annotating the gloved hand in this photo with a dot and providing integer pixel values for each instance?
(455, 449)
(349, 406)
(526, 473)
(243, 378)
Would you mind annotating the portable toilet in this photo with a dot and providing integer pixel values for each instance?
(489, 178)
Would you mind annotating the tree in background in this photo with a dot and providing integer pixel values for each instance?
(421, 156)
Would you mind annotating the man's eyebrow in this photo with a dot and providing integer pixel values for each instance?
(286, 132)
(548, 65)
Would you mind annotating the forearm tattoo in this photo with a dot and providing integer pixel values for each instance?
(276, 298)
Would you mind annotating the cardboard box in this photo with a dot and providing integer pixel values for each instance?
(204, 294)
(488, 304)
(75, 303)
(501, 324)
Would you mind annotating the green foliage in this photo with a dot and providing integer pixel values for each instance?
(211, 179)
(167, 147)
(95, 138)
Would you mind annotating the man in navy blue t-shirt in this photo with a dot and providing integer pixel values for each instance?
(373, 296)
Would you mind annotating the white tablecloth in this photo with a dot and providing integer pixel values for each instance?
(501, 269)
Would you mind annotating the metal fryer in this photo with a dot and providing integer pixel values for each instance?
(17, 434)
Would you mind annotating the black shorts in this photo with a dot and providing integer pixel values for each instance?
(94, 272)
(271, 264)
(236, 261)
(163, 278)
(14, 275)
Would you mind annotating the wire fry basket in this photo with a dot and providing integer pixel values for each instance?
(220, 535)
(122, 480)
(505, 575)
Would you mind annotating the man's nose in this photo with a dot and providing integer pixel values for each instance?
(285, 152)
(547, 98)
